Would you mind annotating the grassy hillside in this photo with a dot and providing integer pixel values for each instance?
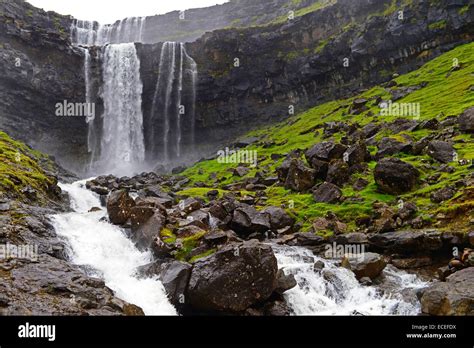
(441, 90)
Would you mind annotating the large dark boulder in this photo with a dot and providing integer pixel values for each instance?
(466, 120)
(234, 278)
(119, 207)
(246, 220)
(327, 193)
(441, 151)
(325, 151)
(390, 146)
(279, 218)
(300, 178)
(144, 234)
(338, 173)
(395, 177)
(453, 297)
(407, 242)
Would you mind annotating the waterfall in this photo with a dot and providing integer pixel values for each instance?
(122, 144)
(106, 250)
(88, 33)
(335, 290)
(173, 108)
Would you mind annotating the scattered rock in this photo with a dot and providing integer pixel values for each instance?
(444, 194)
(327, 193)
(368, 265)
(233, 279)
(279, 218)
(441, 151)
(466, 120)
(395, 177)
(119, 206)
(300, 178)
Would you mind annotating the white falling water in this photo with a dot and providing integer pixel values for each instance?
(88, 33)
(336, 291)
(107, 250)
(122, 143)
(177, 71)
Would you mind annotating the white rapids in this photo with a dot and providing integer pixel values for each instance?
(106, 250)
(336, 291)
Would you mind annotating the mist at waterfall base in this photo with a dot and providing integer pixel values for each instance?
(124, 140)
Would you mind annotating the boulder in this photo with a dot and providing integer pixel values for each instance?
(241, 171)
(279, 218)
(441, 151)
(453, 297)
(444, 194)
(338, 173)
(246, 220)
(393, 176)
(189, 205)
(233, 279)
(412, 262)
(300, 178)
(356, 154)
(119, 206)
(466, 120)
(325, 151)
(143, 235)
(327, 193)
(390, 146)
(366, 265)
(174, 275)
(407, 242)
(284, 282)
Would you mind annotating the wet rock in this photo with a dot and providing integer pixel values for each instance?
(246, 220)
(327, 193)
(466, 120)
(309, 239)
(368, 265)
(216, 238)
(413, 262)
(300, 178)
(444, 194)
(407, 242)
(284, 282)
(174, 275)
(453, 297)
(279, 218)
(441, 151)
(233, 279)
(189, 205)
(189, 231)
(352, 238)
(119, 205)
(395, 177)
(144, 234)
(139, 215)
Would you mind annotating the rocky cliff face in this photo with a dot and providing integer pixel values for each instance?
(322, 56)
(39, 68)
(247, 76)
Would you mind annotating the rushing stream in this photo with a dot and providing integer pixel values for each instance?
(106, 250)
(111, 255)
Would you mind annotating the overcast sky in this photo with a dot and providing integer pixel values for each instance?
(108, 11)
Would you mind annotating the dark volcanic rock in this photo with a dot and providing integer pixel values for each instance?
(441, 151)
(234, 278)
(407, 242)
(144, 234)
(327, 193)
(394, 176)
(300, 178)
(368, 265)
(443, 194)
(119, 207)
(466, 120)
(246, 220)
(338, 173)
(279, 218)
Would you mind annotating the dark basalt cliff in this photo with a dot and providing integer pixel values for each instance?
(297, 63)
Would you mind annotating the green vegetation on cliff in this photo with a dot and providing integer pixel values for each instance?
(443, 88)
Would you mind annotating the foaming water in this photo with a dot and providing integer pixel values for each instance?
(106, 249)
(336, 291)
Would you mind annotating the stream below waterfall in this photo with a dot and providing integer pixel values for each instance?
(107, 253)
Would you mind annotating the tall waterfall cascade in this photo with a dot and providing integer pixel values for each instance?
(123, 138)
(88, 33)
(173, 108)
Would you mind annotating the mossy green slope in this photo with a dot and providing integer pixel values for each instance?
(445, 92)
